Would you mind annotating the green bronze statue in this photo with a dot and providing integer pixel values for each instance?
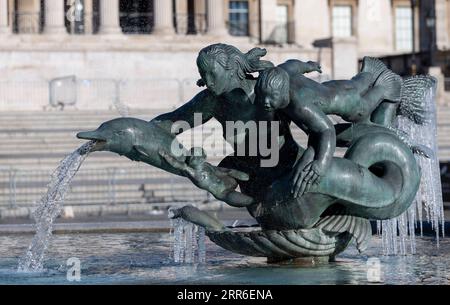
(310, 203)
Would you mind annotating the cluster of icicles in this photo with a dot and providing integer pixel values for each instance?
(188, 242)
(398, 234)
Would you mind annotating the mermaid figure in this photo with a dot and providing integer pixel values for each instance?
(310, 203)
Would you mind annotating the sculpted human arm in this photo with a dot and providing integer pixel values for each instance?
(321, 144)
(203, 105)
(295, 66)
(214, 181)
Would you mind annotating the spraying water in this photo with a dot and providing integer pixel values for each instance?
(188, 242)
(398, 234)
(49, 208)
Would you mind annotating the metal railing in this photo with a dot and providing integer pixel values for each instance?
(95, 93)
(81, 93)
(103, 186)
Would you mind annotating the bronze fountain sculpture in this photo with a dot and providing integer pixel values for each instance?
(310, 204)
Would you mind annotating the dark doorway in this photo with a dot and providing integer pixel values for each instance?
(136, 16)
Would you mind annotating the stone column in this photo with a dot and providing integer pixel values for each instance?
(54, 17)
(442, 20)
(88, 16)
(163, 17)
(5, 27)
(109, 17)
(216, 20)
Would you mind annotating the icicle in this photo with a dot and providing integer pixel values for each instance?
(201, 245)
(188, 242)
(396, 232)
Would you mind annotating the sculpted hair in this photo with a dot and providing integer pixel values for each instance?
(230, 57)
(273, 79)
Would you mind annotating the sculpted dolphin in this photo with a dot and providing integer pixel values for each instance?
(144, 141)
(138, 140)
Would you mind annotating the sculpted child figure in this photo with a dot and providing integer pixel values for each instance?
(220, 182)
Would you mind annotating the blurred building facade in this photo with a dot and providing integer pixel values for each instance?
(141, 39)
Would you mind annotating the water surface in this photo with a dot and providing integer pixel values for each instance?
(144, 258)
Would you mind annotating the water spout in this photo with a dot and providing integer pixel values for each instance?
(49, 208)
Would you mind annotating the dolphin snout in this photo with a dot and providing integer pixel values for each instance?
(90, 135)
(100, 141)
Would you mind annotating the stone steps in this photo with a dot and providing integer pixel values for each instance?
(35, 142)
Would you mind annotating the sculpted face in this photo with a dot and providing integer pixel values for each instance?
(216, 77)
(272, 99)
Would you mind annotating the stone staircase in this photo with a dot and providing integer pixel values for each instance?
(33, 143)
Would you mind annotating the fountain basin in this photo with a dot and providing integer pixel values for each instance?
(144, 258)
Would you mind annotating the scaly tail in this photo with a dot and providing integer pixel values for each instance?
(373, 66)
(392, 85)
(413, 100)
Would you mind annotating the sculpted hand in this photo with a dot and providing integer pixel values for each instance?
(307, 172)
(183, 167)
(220, 182)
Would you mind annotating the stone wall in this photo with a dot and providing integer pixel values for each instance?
(164, 71)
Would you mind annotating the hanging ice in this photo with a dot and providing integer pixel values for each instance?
(398, 232)
(188, 242)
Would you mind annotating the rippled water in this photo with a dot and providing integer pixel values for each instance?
(143, 258)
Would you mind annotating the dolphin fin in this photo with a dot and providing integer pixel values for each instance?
(140, 149)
